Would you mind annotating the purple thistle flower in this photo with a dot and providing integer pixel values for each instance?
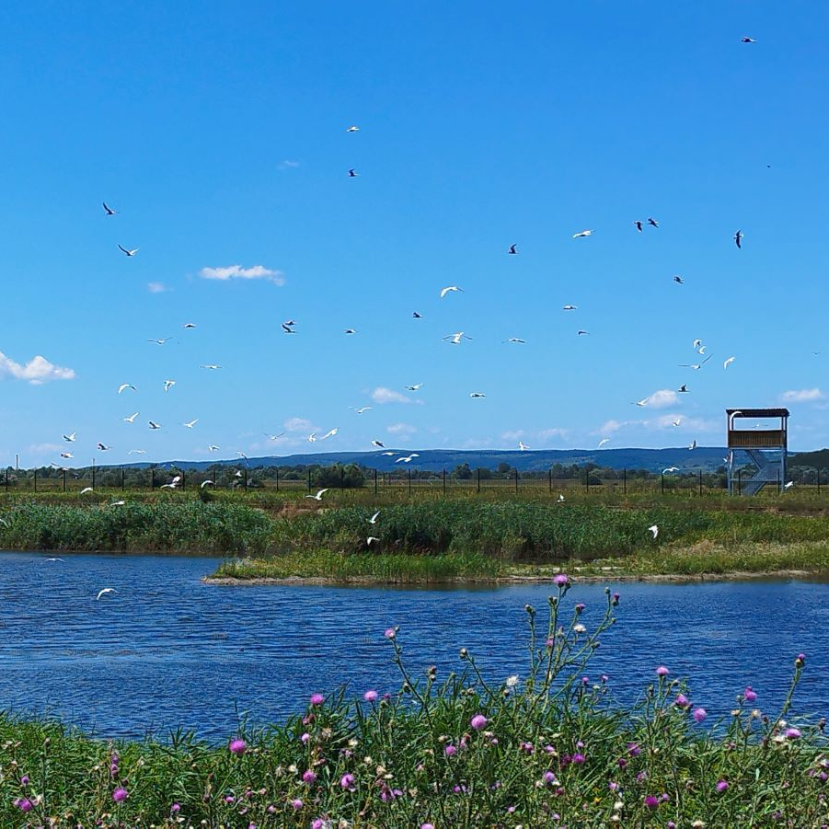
(309, 777)
(652, 802)
(296, 804)
(561, 580)
(238, 746)
(317, 699)
(722, 785)
(120, 794)
(427, 826)
(662, 671)
(176, 807)
(580, 607)
(792, 733)
(682, 701)
(347, 781)
(699, 714)
(450, 750)
(370, 696)
(616, 598)
(634, 750)
(305, 737)
(578, 759)
(749, 694)
(24, 781)
(478, 722)
(390, 633)
(549, 777)
(24, 804)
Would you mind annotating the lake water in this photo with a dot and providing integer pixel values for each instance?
(166, 650)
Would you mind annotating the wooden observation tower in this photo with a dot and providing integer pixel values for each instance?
(766, 448)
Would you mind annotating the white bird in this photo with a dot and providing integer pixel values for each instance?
(131, 418)
(408, 458)
(168, 384)
(109, 210)
(696, 366)
(670, 469)
(125, 386)
(788, 485)
(66, 455)
(390, 454)
(137, 452)
(212, 367)
(379, 444)
(312, 438)
(522, 447)
(103, 448)
(87, 489)
(331, 433)
(692, 445)
(728, 362)
(70, 438)
(168, 486)
(362, 409)
(569, 307)
(203, 484)
(116, 503)
(676, 422)
(271, 437)
(654, 529)
(159, 341)
(561, 499)
(104, 592)
(191, 423)
(318, 496)
(583, 233)
(701, 349)
(642, 402)
(515, 340)
(373, 519)
(189, 325)
(477, 394)
(129, 252)
(153, 424)
(457, 337)
(415, 387)
(372, 540)
(353, 129)
(449, 289)
(212, 448)
(54, 559)
(602, 442)
(696, 344)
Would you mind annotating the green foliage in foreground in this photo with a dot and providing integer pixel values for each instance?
(542, 749)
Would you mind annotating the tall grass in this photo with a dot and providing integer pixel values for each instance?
(546, 747)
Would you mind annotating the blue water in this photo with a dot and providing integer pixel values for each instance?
(167, 651)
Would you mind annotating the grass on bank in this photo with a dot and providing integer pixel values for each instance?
(546, 747)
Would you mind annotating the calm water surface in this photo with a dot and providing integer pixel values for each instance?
(167, 650)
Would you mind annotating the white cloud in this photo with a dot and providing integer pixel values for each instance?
(298, 424)
(514, 435)
(383, 395)
(44, 448)
(612, 426)
(555, 432)
(802, 396)
(696, 424)
(157, 287)
(37, 371)
(401, 429)
(238, 272)
(288, 164)
(662, 398)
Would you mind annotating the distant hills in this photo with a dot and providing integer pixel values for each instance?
(705, 458)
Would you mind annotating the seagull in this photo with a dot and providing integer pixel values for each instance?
(172, 485)
(390, 454)
(788, 485)
(692, 446)
(515, 340)
(191, 424)
(137, 452)
(161, 341)
(66, 455)
(728, 362)
(154, 425)
(312, 438)
(522, 447)
(747, 40)
(701, 349)
(352, 173)
(287, 328)
(349, 331)
(54, 559)
(683, 389)
(331, 433)
(109, 210)
(582, 234)
(87, 489)
(271, 437)
(415, 387)
(679, 280)
(449, 289)
(652, 222)
(379, 444)
(602, 442)
(372, 540)
(212, 448)
(168, 384)
(408, 458)
(569, 307)
(104, 448)
(125, 386)
(212, 366)
(697, 344)
(129, 252)
(70, 438)
(676, 422)
(738, 238)
(104, 592)
(670, 469)
(131, 418)
(457, 337)
(416, 315)
(116, 504)
(189, 325)
(581, 332)
(363, 409)
(696, 366)
(353, 129)
(512, 249)
(318, 496)
(561, 499)
(642, 402)
(373, 519)
(203, 484)
(477, 394)
(638, 225)
(655, 530)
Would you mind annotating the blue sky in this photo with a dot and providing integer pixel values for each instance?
(219, 137)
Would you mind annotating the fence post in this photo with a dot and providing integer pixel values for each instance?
(662, 483)
(276, 469)
(246, 479)
(152, 479)
(444, 482)
(375, 481)
(739, 482)
(409, 471)
(123, 479)
(818, 480)
(586, 481)
(700, 482)
(625, 481)
(550, 480)
(479, 480)
(342, 477)
(516, 480)
(93, 476)
(309, 480)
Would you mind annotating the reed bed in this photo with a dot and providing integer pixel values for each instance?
(546, 747)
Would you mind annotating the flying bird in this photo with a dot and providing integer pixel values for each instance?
(212, 448)
(372, 540)
(728, 362)
(449, 289)
(154, 425)
(189, 325)
(125, 386)
(515, 340)
(137, 452)
(670, 469)
(168, 384)
(191, 423)
(66, 455)
(87, 489)
(416, 315)
(696, 366)
(602, 442)
(212, 366)
(652, 222)
(103, 448)
(373, 519)
(747, 40)
(379, 444)
(352, 173)
(582, 333)
(683, 389)
(477, 394)
(416, 386)
(692, 446)
(679, 280)
(287, 328)
(104, 592)
(109, 210)
(654, 529)
(512, 249)
(160, 341)
(569, 307)
(331, 433)
(407, 458)
(522, 447)
(203, 484)
(70, 438)
(697, 343)
(131, 418)
(676, 422)
(738, 238)
(583, 233)
(362, 409)
(318, 496)
(128, 252)
(642, 402)
(312, 438)
(349, 331)
(638, 225)
(273, 437)
(788, 485)
(457, 337)
(353, 129)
